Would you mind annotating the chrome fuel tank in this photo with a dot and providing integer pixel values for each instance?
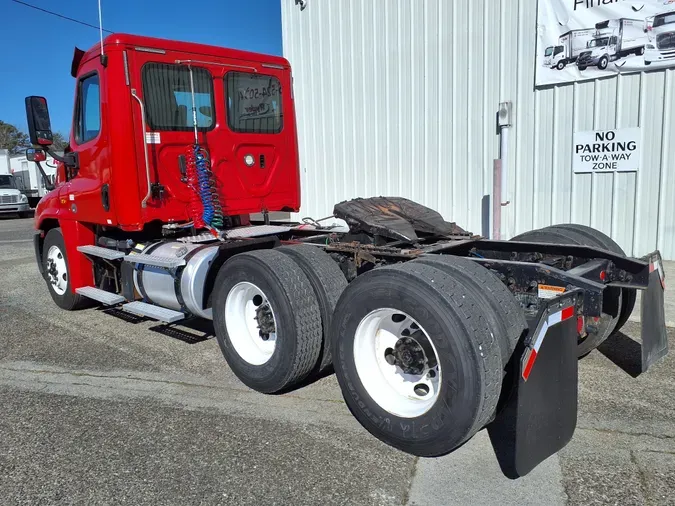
(185, 291)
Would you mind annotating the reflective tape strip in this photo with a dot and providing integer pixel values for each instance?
(656, 266)
(531, 352)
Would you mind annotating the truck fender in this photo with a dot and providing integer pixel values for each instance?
(76, 233)
(228, 250)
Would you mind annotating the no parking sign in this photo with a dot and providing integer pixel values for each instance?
(606, 151)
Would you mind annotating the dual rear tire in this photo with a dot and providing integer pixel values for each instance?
(272, 309)
(583, 235)
(419, 349)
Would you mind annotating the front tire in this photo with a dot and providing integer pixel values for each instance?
(267, 320)
(603, 62)
(417, 363)
(56, 272)
(560, 65)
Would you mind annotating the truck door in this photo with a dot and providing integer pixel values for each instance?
(613, 49)
(86, 191)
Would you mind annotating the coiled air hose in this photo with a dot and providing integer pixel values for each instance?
(204, 207)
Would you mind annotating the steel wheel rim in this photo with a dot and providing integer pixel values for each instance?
(57, 270)
(242, 307)
(399, 392)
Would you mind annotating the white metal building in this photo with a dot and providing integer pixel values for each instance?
(399, 97)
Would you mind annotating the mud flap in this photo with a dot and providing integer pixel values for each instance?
(539, 415)
(653, 317)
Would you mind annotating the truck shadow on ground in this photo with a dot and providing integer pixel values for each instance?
(624, 352)
(8, 217)
(197, 330)
(190, 331)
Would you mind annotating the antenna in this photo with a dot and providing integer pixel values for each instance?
(104, 58)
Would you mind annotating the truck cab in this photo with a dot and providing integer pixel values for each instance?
(144, 110)
(127, 161)
(600, 51)
(661, 34)
(554, 57)
(613, 39)
(12, 201)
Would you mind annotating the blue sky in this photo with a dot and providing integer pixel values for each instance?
(36, 48)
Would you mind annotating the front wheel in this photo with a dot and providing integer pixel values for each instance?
(55, 268)
(560, 65)
(602, 64)
(640, 51)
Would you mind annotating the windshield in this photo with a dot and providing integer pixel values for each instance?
(549, 51)
(604, 41)
(664, 19)
(6, 182)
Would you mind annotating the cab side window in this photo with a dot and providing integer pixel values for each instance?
(88, 109)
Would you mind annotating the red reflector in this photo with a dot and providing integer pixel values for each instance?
(580, 324)
(568, 312)
(603, 275)
(528, 364)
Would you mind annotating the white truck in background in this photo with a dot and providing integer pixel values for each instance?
(661, 37)
(570, 45)
(12, 200)
(613, 39)
(28, 178)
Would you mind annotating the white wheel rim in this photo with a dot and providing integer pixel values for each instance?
(241, 310)
(57, 271)
(401, 393)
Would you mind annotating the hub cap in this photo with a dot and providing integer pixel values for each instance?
(250, 322)
(57, 271)
(397, 363)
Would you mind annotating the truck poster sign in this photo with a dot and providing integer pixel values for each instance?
(586, 39)
(606, 151)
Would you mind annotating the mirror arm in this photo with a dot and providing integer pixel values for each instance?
(56, 157)
(69, 159)
(45, 179)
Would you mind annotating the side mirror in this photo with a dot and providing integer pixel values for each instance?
(36, 155)
(39, 125)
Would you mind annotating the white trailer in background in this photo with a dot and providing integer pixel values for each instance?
(570, 45)
(613, 39)
(661, 34)
(28, 178)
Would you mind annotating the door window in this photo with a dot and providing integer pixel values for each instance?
(168, 97)
(253, 103)
(88, 109)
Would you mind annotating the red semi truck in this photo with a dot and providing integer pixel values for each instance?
(434, 333)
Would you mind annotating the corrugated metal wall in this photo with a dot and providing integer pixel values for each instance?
(399, 97)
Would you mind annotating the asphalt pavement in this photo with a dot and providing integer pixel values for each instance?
(97, 408)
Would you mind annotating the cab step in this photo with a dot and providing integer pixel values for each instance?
(107, 298)
(98, 251)
(155, 312)
(156, 261)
